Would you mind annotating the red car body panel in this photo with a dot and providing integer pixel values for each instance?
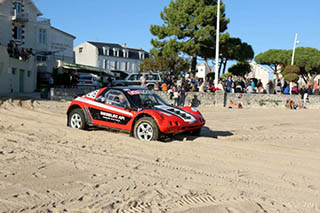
(106, 115)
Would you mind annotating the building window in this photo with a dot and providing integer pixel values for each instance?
(126, 66)
(106, 64)
(141, 55)
(17, 7)
(14, 71)
(80, 49)
(41, 58)
(29, 73)
(17, 32)
(43, 36)
(116, 52)
(125, 53)
(115, 65)
(105, 51)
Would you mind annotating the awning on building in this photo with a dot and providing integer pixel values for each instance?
(84, 68)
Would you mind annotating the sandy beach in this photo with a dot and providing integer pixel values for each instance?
(248, 160)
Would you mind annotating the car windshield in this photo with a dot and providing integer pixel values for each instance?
(146, 98)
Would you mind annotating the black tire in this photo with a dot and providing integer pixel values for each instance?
(146, 129)
(76, 119)
(150, 87)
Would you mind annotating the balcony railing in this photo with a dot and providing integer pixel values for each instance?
(20, 17)
(42, 20)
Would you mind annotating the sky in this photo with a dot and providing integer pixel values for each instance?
(264, 24)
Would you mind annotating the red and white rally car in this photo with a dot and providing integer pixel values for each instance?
(138, 111)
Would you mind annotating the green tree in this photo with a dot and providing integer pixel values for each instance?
(234, 49)
(240, 69)
(148, 64)
(291, 73)
(308, 60)
(189, 27)
(226, 75)
(154, 64)
(175, 64)
(274, 58)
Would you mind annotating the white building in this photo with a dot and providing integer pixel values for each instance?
(259, 72)
(202, 71)
(22, 26)
(110, 56)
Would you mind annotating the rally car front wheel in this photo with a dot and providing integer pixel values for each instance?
(76, 119)
(146, 129)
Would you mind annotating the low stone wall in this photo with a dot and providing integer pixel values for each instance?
(221, 99)
(205, 98)
(67, 94)
(264, 100)
(218, 99)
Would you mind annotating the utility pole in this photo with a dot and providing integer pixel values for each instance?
(217, 46)
(294, 47)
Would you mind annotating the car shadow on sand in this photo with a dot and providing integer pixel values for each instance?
(205, 133)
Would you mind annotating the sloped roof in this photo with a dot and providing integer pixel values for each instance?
(68, 34)
(113, 45)
(133, 52)
(39, 13)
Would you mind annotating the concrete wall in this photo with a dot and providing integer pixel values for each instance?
(57, 42)
(68, 94)
(88, 56)
(10, 81)
(5, 24)
(259, 72)
(62, 44)
(264, 100)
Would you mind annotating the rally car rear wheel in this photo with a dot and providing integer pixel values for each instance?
(76, 119)
(146, 129)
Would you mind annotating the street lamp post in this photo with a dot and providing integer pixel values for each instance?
(294, 47)
(217, 45)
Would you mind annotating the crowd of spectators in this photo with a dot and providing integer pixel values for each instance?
(179, 87)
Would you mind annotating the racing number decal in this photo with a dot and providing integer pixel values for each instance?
(109, 116)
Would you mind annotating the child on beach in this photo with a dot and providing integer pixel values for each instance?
(290, 104)
(235, 105)
(175, 97)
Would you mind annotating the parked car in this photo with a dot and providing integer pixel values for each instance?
(136, 110)
(89, 80)
(133, 79)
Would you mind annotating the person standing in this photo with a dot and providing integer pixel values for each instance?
(220, 86)
(304, 95)
(253, 85)
(175, 97)
(183, 95)
(270, 87)
(229, 84)
(109, 81)
(315, 86)
(143, 80)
